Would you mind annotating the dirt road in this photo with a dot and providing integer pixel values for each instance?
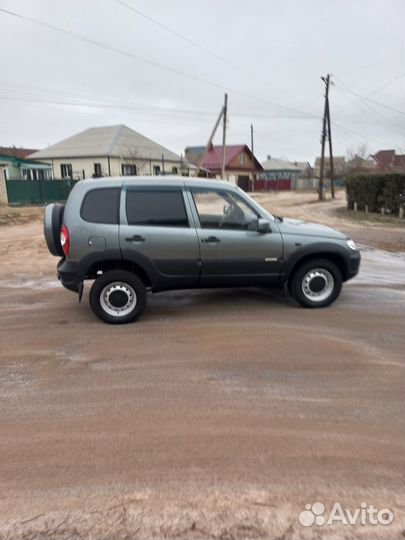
(220, 414)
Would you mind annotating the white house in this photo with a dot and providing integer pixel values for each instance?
(110, 151)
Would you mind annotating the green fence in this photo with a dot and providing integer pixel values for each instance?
(38, 191)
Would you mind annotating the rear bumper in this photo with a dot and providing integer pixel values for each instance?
(68, 275)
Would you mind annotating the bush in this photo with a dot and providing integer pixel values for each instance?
(376, 191)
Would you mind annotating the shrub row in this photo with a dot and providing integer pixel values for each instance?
(376, 191)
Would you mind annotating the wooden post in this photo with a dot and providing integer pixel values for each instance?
(224, 137)
(332, 171)
(323, 137)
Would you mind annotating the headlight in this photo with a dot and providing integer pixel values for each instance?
(351, 245)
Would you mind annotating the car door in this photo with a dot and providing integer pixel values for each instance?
(158, 233)
(232, 250)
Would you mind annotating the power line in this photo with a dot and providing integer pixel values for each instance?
(345, 89)
(140, 59)
(348, 130)
(128, 106)
(202, 48)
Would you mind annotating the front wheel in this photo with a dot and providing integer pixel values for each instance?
(118, 297)
(316, 283)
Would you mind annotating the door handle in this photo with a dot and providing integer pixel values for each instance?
(135, 238)
(211, 240)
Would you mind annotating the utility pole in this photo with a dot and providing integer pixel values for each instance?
(209, 143)
(253, 161)
(224, 116)
(332, 172)
(326, 132)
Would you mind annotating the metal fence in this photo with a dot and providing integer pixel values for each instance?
(38, 191)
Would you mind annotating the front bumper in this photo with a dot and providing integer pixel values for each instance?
(354, 265)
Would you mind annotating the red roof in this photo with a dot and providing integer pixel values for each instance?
(213, 160)
(384, 157)
(13, 151)
(387, 160)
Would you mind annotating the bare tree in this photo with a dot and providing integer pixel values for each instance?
(133, 161)
(358, 159)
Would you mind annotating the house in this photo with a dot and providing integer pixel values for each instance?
(306, 169)
(306, 177)
(16, 166)
(110, 151)
(389, 162)
(278, 175)
(358, 164)
(339, 167)
(240, 164)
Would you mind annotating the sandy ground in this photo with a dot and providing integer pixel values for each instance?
(220, 414)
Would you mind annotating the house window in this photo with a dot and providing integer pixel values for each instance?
(66, 170)
(97, 170)
(156, 170)
(128, 169)
(175, 170)
(26, 174)
(242, 158)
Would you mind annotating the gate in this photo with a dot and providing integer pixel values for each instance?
(38, 191)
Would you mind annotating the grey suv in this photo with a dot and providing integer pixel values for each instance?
(136, 234)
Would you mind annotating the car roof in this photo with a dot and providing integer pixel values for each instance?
(172, 180)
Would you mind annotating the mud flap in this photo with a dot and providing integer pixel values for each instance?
(81, 289)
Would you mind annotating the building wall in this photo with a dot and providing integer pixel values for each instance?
(3, 187)
(246, 163)
(84, 167)
(11, 171)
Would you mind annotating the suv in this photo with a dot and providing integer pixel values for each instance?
(146, 233)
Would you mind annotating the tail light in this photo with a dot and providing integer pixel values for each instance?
(64, 239)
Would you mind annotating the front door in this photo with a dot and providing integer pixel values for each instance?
(232, 250)
(157, 233)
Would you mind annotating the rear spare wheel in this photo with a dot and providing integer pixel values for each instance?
(52, 226)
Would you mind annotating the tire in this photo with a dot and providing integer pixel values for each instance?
(118, 297)
(316, 283)
(52, 224)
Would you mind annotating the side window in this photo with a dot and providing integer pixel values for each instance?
(156, 208)
(223, 209)
(101, 205)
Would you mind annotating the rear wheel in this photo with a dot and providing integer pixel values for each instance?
(316, 283)
(118, 297)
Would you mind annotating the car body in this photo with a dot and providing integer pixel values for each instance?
(184, 233)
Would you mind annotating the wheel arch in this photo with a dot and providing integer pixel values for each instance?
(337, 258)
(105, 265)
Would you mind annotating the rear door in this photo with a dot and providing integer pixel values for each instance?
(158, 232)
(233, 252)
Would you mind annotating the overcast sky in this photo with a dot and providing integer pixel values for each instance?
(268, 55)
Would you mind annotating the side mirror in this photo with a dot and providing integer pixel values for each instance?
(263, 226)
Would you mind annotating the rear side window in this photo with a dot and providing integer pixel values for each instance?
(156, 208)
(101, 205)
